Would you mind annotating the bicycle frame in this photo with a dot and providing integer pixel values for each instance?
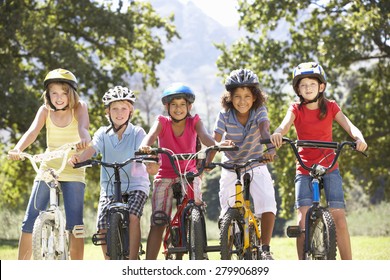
(175, 240)
(56, 247)
(242, 202)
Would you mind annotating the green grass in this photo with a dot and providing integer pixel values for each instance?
(363, 248)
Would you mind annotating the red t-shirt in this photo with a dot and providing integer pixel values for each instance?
(309, 127)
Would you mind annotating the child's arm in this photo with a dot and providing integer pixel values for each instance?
(218, 138)
(151, 137)
(352, 130)
(203, 135)
(265, 134)
(31, 134)
(82, 117)
(276, 137)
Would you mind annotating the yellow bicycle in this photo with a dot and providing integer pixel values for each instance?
(239, 229)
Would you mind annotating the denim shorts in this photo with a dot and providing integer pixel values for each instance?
(73, 202)
(333, 190)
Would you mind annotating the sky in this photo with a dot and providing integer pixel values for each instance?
(223, 11)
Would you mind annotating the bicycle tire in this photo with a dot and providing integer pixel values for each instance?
(115, 244)
(195, 235)
(232, 235)
(322, 237)
(253, 251)
(45, 239)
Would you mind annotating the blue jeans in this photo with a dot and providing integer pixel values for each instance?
(333, 188)
(73, 197)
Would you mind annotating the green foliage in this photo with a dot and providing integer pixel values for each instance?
(101, 44)
(351, 41)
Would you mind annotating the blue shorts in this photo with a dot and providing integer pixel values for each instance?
(73, 202)
(333, 189)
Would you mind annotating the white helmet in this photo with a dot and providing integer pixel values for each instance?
(118, 93)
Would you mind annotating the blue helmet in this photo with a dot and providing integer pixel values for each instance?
(177, 90)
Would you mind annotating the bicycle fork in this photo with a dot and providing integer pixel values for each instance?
(296, 231)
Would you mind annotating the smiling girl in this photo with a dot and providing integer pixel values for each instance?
(66, 119)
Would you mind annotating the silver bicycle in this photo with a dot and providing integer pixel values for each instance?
(50, 240)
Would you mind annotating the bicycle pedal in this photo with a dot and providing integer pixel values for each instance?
(99, 239)
(294, 231)
(78, 231)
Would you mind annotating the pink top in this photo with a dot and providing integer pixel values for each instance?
(309, 127)
(185, 143)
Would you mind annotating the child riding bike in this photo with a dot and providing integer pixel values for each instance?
(313, 117)
(244, 121)
(67, 121)
(116, 143)
(178, 132)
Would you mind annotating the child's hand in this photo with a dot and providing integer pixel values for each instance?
(83, 144)
(226, 143)
(277, 139)
(269, 156)
(152, 167)
(145, 149)
(73, 160)
(361, 146)
(14, 154)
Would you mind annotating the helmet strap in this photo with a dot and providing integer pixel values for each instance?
(116, 129)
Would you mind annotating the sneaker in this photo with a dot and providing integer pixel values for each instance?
(267, 256)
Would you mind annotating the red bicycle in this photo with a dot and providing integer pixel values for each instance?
(186, 231)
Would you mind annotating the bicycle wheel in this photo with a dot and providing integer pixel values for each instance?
(115, 246)
(46, 239)
(195, 235)
(253, 252)
(232, 235)
(322, 237)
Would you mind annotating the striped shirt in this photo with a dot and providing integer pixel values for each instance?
(247, 137)
(56, 137)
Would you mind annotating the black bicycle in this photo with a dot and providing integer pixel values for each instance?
(320, 234)
(186, 230)
(117, 236)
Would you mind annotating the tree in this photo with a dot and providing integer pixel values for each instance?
(101, 44)
(351, 41)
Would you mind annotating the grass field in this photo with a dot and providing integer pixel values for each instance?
(363, 247)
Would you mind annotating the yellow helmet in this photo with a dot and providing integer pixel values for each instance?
(61, 75)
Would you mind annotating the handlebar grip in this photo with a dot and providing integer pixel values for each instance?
(228, 148)
(265, 141)
(152, 152)
(81, 164)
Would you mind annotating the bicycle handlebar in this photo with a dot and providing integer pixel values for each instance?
(294, 144)
(61, 152)
(95, 162)
(202, 155)
(235, 166)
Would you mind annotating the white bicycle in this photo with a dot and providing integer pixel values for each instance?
(50, 240)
